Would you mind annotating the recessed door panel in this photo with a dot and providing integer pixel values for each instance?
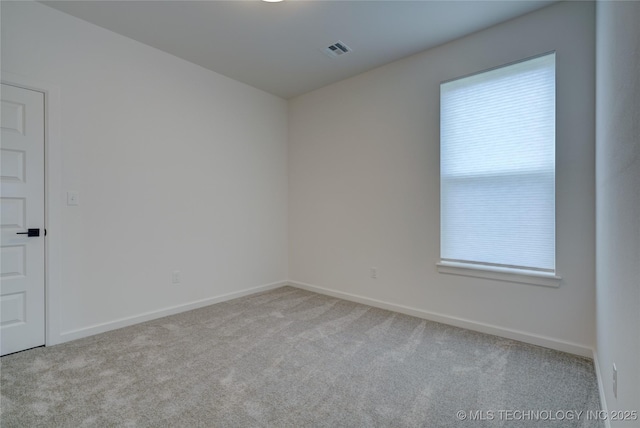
(22, 298)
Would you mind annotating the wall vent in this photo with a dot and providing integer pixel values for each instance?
(337, 49)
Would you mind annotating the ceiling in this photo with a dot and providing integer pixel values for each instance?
(278, 47)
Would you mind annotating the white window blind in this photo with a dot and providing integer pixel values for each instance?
(498, 167)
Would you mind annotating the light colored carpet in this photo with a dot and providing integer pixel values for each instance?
(291, 358)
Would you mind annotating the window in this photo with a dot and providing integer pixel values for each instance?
(497, 171)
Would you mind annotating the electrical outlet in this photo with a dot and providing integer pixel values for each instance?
(374, 272)
(615, 381)
(73, 198)
(175, 277)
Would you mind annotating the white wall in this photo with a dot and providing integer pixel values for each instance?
(618, 201)
(364, 185)
(178, 168)
(181, 168)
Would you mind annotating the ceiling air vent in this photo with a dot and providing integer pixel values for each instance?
(337, 49)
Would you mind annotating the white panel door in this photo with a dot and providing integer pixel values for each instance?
(22, 316)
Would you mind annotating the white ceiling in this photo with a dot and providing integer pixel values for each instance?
(277, 47)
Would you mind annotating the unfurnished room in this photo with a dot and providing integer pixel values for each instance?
(320, 213)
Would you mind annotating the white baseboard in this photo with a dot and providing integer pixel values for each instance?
(148, 316)
(546, 342)
(603, 398)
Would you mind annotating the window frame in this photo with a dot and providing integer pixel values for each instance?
(500, 273)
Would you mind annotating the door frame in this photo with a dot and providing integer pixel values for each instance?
(52, 197)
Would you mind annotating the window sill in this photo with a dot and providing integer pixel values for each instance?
(500, 274)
